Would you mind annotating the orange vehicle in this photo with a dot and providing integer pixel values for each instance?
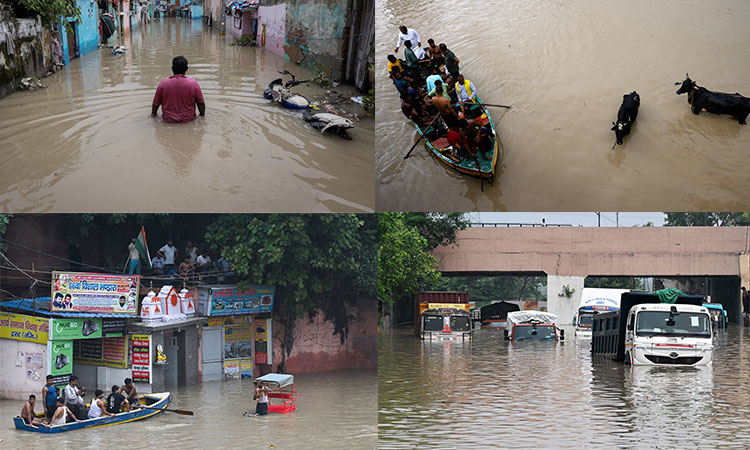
(442, 316)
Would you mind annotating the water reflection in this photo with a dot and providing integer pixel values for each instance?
(491, 393)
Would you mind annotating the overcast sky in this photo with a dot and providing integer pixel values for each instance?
(586, 219)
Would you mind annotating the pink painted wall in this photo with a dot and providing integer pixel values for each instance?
(316, 349)
(125, 16)
(274, 18)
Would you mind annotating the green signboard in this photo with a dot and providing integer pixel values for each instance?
(61, 358)
(67, 329)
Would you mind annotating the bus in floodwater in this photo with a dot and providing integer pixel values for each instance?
(594, 301)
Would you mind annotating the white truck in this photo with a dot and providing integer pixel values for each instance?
(647, 332)
(595, 301)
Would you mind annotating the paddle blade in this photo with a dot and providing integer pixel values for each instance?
(184, 412)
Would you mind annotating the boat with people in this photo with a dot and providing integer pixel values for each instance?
(148, 405)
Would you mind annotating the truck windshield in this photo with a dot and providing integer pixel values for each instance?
(655, 323)
(433, 323)
(585, 319)
(533, 333)
(460, 323)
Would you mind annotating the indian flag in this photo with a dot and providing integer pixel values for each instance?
(142, 246)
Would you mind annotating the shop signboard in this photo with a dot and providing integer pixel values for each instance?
(246, 367)
(237, 342)
(106, 352)
(230, 300)
(60, 361)
(261, 340)
(141, 348)
(79, 328)
(113, 327)
(95, 293)
(231, 368)
(20, 327)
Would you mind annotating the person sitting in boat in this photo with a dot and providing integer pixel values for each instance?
(98, 408)
(456, 139)
(129, 390)
(412, 114)
(62, 414)
(74, 397)
(393, 62)
(442, 92)
(475, 137)
(27, 412)
(415, 94)
(444, 106)
(399, 81)
(465, 90)
(115, 400)
(436, 55)
(434, 77)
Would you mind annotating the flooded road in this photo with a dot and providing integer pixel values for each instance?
(491, 394)
(564, 66)
(335, 410)
(88, 143)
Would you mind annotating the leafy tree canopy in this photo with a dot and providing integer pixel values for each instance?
(437, 228)
(487, 289)
(706, 219)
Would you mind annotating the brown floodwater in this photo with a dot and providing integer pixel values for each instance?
(88, 143)
(490, 393)
(564, 67)
(335, 410)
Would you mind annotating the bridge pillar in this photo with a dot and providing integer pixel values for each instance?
(726, 290)
(557, 302)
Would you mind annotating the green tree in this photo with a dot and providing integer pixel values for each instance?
(706, 219)
(405, 264)
(483, 290)
(318, 262)
(50, 11)
(614, 283)
(437, 228)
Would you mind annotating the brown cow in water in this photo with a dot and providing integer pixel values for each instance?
(701, 99)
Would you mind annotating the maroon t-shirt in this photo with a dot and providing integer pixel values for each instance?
(177, 96)
(454, 137)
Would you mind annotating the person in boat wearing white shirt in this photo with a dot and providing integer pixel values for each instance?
(465, 90)
(97, 408)
(62, 413)
(73, 397)
(409, 34)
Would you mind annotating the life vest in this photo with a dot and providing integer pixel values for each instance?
(467, 83)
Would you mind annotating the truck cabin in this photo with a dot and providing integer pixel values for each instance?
(445, 323)
(532, 326)
(671, 323)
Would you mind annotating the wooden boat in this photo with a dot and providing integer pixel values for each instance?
(441, 149)
(155, 402)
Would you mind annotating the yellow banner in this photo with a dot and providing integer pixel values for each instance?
(215, 322)
(448, 305)
(20, 327)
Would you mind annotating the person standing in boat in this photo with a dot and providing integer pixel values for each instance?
(408, 34)
(451, 61)
(130, 391)
(411, 61)
(97, 406)
(444, 106)
(27, 412)
(49, 396)
(436, 55)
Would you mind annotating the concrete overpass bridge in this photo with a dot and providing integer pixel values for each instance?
(568, 255)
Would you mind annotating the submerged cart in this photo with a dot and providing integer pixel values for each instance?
(282, 386)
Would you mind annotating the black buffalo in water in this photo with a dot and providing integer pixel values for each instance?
(626, 115)
(701, 99)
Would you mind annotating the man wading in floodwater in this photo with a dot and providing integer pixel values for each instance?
(178, 95)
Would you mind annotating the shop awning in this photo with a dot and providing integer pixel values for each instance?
(43, 309)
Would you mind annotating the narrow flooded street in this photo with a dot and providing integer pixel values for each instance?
(335, 410)
(91, 128)
(564, 68)
(490, 393)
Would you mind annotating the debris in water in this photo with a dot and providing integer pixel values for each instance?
(31, 84)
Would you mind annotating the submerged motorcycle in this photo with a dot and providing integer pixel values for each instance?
(280, 92)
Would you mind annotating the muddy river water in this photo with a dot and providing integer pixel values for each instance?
(490, 393)
(88, 142)
(335, 410)
(564, 67)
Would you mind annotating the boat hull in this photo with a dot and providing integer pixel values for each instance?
(161, 400)
(467, 165)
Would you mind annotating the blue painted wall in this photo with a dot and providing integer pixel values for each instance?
(197, 12)
(87, 30)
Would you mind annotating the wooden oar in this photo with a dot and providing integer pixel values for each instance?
(497, 106)
(421, 135)
(184, 412)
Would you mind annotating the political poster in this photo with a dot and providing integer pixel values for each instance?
(95, 293)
